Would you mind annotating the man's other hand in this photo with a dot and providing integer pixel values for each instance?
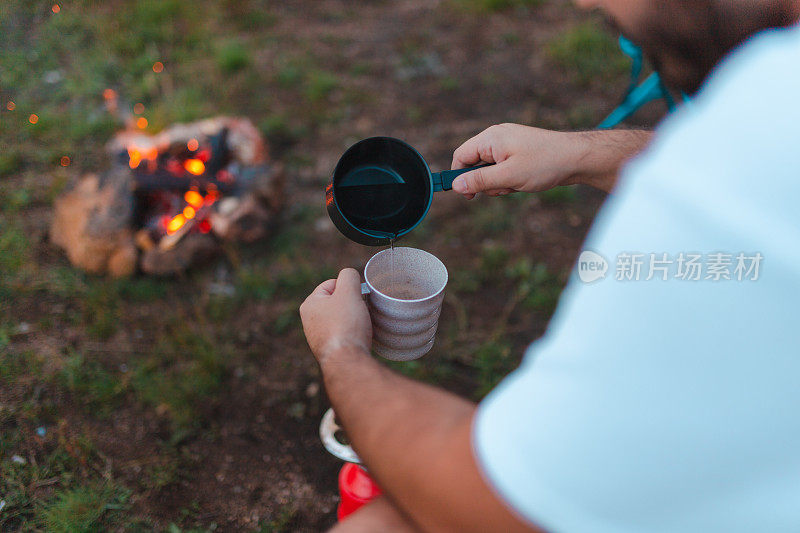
(532, 159)
(335, 316)
(527, 159)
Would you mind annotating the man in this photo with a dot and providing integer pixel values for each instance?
(660, 402)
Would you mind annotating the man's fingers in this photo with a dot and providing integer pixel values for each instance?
(467, 154)
(325, 288)
(349, 281)
(476, 150)
(480, 179)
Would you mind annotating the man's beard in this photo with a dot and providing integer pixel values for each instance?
(685, 39)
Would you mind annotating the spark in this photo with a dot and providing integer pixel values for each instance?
(11, 106)
(193, 145)
(56, 8)
(158, 66)
(33, 119)
(65, 161)
(141, 122)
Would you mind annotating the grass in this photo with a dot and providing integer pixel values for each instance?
(590, 52)
(489, 6)
(232, 57)
(93, 387)
(81, 509)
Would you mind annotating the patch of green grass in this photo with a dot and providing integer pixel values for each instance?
(253, 283)
(589, 51)
(10, 162)
(449, 83)
(280, 130)
(180, 376)
(494, 362)
(538, 287)
(282, 522)
(489, 6)
(15, 366)
(92, 386)
(82, 509)
(319, 85)
(101, 309)
(232, 57)
(559, 195)
(493, 258)
(14, 249)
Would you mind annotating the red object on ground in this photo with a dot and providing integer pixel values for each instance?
(356, 489)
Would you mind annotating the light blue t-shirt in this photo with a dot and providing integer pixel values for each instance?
(674, 404)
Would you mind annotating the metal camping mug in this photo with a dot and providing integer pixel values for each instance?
(405, 290)
(381, 189)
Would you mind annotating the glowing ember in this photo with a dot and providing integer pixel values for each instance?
(56, 8)
(138, 108)
(188, 212)
(194, 166)
(158, 66)
(33, 119)
(193, 198)
(65, 161)
(11, 106)
(176, 223)
(193, 145)
(141, 122)
(134, 157)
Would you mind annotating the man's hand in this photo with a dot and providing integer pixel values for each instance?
(335, 316)
(532, 159)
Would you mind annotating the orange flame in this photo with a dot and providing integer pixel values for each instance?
(194, 166)
(176, 223)
(194, 199)
(188, 212)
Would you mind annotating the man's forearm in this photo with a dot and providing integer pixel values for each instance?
(415, 441)
(602, 153)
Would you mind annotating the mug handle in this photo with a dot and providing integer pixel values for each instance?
(443, 181)
(327, 432)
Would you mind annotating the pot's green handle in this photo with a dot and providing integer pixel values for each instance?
(443, 181)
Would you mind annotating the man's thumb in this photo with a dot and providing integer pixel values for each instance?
(478, 180)
(348, 281)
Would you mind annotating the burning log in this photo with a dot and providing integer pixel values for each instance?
(170, 198)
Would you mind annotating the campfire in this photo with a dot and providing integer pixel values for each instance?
(169, 200)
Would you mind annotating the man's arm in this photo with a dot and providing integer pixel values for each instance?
(415, 439)
(532, 159)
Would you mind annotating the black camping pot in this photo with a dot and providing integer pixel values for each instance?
(381, 189)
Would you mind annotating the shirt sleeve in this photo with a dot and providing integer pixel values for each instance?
(668, 405)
